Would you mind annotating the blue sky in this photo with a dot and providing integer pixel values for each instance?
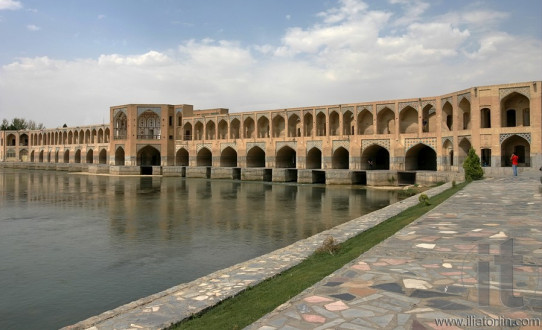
(68, 61)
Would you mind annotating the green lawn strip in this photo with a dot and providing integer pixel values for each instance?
(253, 303)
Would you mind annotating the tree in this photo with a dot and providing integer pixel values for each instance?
(473, 169)
(19, 124)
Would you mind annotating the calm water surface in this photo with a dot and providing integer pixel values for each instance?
(73, 245)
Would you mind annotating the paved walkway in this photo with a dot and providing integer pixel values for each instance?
(430, 270)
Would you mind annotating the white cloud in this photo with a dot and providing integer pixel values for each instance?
(101, 16)
(10, 5)
(32, 27)
(349, 55)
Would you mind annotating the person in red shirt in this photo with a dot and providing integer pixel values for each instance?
(514, 160)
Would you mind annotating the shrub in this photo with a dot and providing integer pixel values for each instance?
(424, 199)
(329, 245)
(473, 169)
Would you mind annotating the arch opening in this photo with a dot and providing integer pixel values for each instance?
(204, 157)
(365, 122)
(340, 159)
(333, 123)
(102, 157)
(148, 156)
(385, 121)
(314, 159)
(119, 156)
(509, 116)
(249, 128)
(286, 158)
(256, 157)
(375, 157)
(518, 145)
(90, 156)
(278, 126)
(408, 120)
(485, 118)
(235, 127)
(66, 156)
(421, 158)
(182, 157)
(228, 158)
(307, 124)
(464, 147)
(448, 153)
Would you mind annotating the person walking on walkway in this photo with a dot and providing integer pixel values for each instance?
(514, 160)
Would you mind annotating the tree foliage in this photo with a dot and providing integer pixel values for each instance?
(19, 124)
(472, 166)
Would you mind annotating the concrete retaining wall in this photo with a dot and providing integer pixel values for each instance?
(198, 172)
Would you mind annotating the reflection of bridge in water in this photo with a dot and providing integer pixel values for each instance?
(158, 231)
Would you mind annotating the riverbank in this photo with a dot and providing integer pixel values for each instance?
(178, 303)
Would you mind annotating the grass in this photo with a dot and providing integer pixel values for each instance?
(253, 303)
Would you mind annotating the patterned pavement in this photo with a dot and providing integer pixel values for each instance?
(475, 260)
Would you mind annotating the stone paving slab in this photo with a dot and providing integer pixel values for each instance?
(175, 304)
(433, 268)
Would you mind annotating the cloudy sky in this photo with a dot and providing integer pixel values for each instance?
(68, 61)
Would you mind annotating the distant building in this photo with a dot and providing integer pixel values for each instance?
(418, 134)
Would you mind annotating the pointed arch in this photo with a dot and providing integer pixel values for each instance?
(314, 158)
(512, 107)
(222, 130)
(256, 157)
(235, 128)
(210, 130)
(100, 135)
(204, 157)
(148, 156)
(321, 124)
(385, 121)
(334, 123)
(408, 120)
(447, 116)
(279, 126)
(448, 153)
(307, 124)
(250, 128)
(340, 158)
(119, 126)
(375, 157)
(77, 157)
(263, 127)
(464, 114)
(421, 157)
(228, 157)
(463, 152)
(286, 158)
(198, 131)
(187, 132)
(348, 123)
(294, 126)
(182, 157)
(518, 145)
(90, 156)
(102, 157)
(119, 157)
(67, 156)
(365, 122)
